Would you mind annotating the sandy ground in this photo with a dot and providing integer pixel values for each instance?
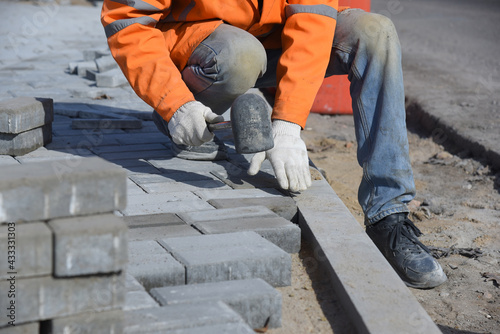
(457, 208)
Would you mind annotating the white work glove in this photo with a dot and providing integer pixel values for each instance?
(188, 125)
(288, 157)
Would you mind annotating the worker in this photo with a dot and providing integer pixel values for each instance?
(190, 59)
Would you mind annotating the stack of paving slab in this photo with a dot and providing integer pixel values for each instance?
(67, 250)
(25, 124)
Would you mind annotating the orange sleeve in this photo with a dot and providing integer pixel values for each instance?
(142, 52)
(307, 39)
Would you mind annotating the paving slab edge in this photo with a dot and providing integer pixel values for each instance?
(372, 294)
(443, 131)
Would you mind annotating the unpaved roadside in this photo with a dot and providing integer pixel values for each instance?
(457, 208)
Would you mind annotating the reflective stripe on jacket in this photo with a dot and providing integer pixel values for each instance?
(152, 41)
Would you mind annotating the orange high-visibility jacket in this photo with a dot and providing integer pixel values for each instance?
(152, 41)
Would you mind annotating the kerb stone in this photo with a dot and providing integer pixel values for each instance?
(153, 266)
(89, 245)
(230, 256)
(54, 189)
(253, 299)
(25, 113)
(33, 248)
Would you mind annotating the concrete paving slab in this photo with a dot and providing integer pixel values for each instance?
(230, 256)
(53, 189)
(31, 328)
(161, 231)
(277, 230)
(42, 154)
(174, 176)
(25, 142)
(106, 123)
(131, 284)
(7, 160)
(174, 207)
(239, 193)
(253, 299)
(169, 187)
(134, 189)
(171, 319)
(153, 220)
(128, 148)
(176, 164)
(86, 323)
(144, 154)
(25, 113)
(89, 245)
(283, 206)
(192, 217)
(46, 298)
(136, 300)
(88, 141)
(33, 248)
(239, 179)
(153, 266)
(361, 276)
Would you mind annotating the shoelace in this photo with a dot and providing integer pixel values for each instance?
(405, 229)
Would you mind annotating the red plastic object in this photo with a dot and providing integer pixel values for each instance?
(333, 96)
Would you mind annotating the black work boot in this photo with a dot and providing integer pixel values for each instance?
(397, 238)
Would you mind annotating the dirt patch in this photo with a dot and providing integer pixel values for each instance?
(457, 208)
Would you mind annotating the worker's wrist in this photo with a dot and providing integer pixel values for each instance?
(286, 128)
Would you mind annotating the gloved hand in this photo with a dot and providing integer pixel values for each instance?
(188, 125)
(288, 157)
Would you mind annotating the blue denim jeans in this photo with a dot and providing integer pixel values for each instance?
(366, 48)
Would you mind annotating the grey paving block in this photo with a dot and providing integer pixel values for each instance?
(89, 323)
(88, 141)
(230, 256)
(178, 318)
(143, 138)
(31, 328)
(25, 142)
(135, 300)
(176, 176)
(105, 63)
(25, 113)
(33, 249)
(332, 230)
(164, 203)
(106, 123)
(88, 245)
(134, 189)
(153, 220)
(158, 231)
(42, 154)
(84, 66)
(239, 179)
(128, 148)
(192, 217)
(253, 299)
(111, 78)
(144, 154)
(277, 230)
(283, 206)
(44, 298)
(70, 109)
(143, 169)
(95, 53)
(153, 266)
(175, 165)
(94, 112)
(131, 284)
(7, 160)
(239, 193)
(170, 187)
(53, 189)
(228, 328)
